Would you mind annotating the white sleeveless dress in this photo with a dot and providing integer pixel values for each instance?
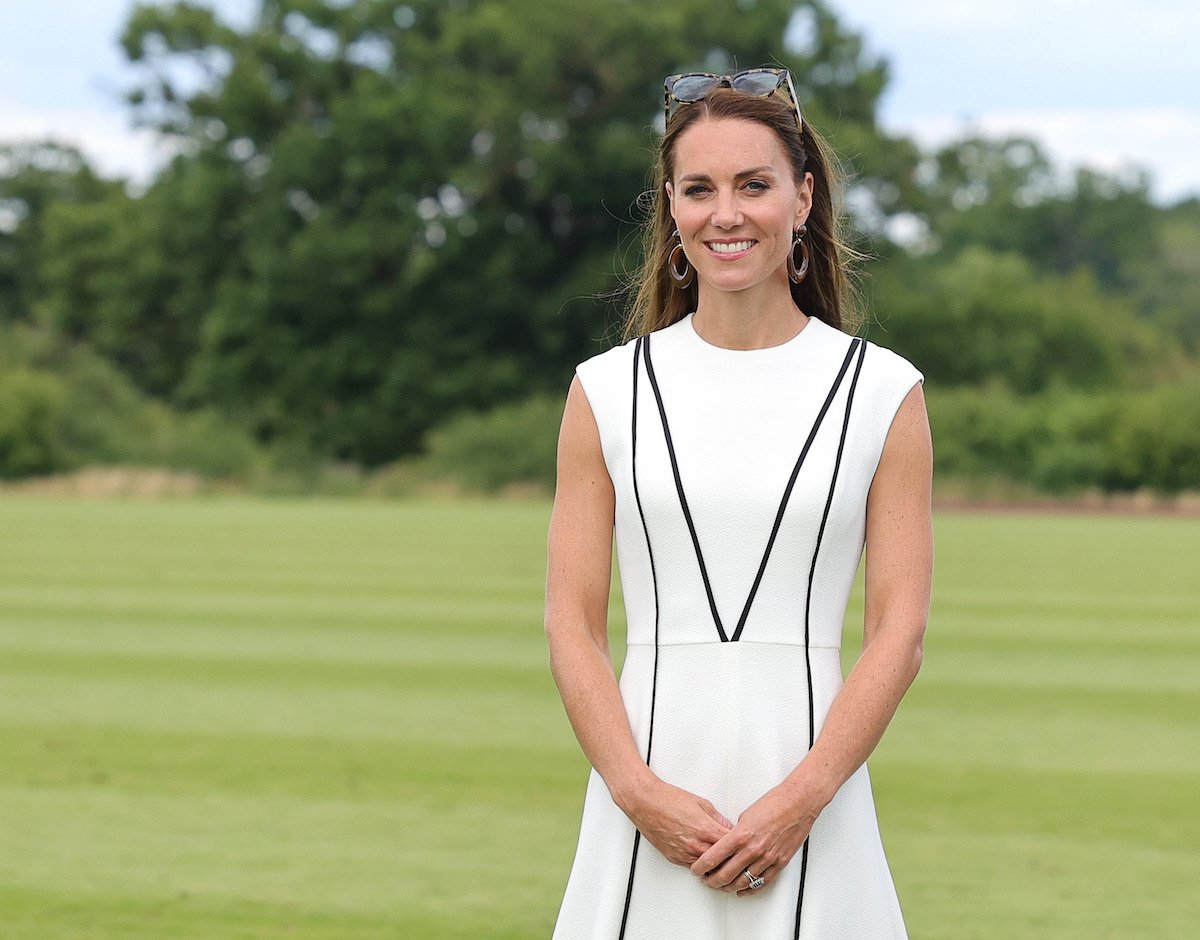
(741, 480)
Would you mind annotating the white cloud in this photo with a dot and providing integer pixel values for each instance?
(1171, 21)
(112, 147)
(1162, 139)
(953, 15)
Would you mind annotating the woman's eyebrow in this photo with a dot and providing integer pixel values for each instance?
(703, 177)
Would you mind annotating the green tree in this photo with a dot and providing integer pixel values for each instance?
(419, 202)
(1006, 195)
(983, 316)
(1167, 283)
(136, 277)
(34, 179)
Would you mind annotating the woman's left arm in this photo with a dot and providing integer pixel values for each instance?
(899, 576)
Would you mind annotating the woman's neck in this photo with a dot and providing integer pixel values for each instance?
(754, 318)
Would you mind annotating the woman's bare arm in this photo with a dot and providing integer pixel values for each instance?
(578, 573)
(898, 580)
(899, 574)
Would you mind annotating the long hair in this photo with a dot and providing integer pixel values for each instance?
(826, 293)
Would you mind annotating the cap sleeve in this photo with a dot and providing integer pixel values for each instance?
(891, 377)
(607, 380)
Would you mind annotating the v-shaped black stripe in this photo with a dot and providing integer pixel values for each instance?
(687, 514)
(791, 483)
(812, 574)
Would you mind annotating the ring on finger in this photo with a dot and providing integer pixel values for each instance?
(756, 882)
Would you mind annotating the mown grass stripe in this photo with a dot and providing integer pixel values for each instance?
(257, 718)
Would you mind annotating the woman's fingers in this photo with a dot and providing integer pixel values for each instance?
(681, 825)
(765, 838)
(723, 867)
(729, 876)
(714, 813)
(768, 875)
(732, 877)
(727, 846)
(698, 817)
(709, 828)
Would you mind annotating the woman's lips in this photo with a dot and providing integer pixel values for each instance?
(731, 251)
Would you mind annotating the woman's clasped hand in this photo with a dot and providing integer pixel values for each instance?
(766, 837)
(681, 825)
(689, 831)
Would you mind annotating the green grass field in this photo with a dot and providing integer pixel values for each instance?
(249, 718)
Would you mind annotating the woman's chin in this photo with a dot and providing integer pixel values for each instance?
(730, 281)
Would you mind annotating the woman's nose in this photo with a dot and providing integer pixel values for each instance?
(726, 211)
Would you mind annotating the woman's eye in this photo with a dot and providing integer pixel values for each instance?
(759, 185)
(693, 190)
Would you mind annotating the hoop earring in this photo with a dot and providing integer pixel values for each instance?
(683, 279)
(794, 274)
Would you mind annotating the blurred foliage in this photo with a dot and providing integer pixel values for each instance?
(36, 179)
(1069, 439)
(1166, 284)
(487, 451)
(982, 315)
(1006, 195)
(63, 407)
(31, 422)
(385, 213)
(393, 228)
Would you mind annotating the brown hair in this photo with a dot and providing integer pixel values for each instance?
(826, 293)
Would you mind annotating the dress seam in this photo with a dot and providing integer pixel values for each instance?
(716, 643)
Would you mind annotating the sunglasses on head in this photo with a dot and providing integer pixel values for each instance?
(690, 87)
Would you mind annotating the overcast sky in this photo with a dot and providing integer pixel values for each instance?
(1096, 83)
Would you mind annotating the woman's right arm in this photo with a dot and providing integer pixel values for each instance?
(578, 573)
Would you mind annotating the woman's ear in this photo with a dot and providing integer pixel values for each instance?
(671, 197)
(804, 200)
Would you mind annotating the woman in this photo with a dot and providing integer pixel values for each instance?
(743, 448)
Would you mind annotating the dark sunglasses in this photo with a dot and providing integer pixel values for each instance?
(690, 87)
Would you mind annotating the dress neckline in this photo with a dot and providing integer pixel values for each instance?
(688, 328)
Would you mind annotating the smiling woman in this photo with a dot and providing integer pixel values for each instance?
(743, 449)
(745, 168)
(737, 225)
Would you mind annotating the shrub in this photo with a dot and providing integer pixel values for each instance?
(32, 404)
(1068, 439)
(62, 407)
(1155, 440)
(487, 451)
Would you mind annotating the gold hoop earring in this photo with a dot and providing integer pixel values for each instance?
(682, 279)
(796, 275)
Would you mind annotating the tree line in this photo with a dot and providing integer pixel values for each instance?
(385, 220)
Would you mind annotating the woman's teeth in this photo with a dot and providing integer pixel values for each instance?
(730, 248)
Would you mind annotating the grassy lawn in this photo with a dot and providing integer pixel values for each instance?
(323, 719)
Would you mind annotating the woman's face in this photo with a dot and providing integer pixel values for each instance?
(735, 202)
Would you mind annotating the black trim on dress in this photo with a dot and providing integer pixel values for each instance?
(812, 572)
(637, 839)
(687, 514)
(642, 348)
